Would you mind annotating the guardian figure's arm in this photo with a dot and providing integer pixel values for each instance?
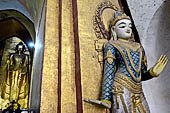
(155, 70)
(108, 72)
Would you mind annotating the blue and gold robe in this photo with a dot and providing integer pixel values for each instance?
(125, 67)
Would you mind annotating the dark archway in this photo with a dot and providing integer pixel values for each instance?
(32, 15)
(15, 24)
(21, 18)
(12, 27)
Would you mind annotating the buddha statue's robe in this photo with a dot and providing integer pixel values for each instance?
(15, 84)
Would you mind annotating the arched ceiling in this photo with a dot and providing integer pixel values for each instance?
(16, 5)
(32, 9)
(27, 23)
(26, 11)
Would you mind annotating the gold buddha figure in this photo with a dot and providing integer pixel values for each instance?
(14, 87)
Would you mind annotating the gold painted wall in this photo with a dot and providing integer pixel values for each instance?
(49, 89)
(90, 68)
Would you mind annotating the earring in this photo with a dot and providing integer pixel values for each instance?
(132, 38)
(113, 34)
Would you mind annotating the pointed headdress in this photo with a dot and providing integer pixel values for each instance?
(118, 16)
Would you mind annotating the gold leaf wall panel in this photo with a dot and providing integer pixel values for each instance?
(49, 88)
(90, 69)
(91, 77)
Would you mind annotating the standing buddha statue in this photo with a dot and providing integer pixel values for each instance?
(14, 87)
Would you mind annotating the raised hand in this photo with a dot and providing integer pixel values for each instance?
(160, 65)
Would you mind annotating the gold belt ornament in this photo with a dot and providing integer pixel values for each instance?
(125, 81)
(120, 81)
(118, 92)
(137, 103)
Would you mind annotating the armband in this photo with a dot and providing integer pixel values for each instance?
(109, 57)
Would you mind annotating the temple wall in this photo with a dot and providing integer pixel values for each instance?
(152, 19)
(49, 95)
(36, 78)
(55, 84)
(71, 71)
(142, 13)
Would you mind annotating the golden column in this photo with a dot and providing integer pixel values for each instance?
(49, 88)
(71, 71)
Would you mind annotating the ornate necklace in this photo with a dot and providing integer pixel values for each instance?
(131, 61)
(118, 45)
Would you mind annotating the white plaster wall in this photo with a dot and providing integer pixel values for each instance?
(142, 12)
(152, 19)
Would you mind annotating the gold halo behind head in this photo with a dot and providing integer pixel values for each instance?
(107, 15)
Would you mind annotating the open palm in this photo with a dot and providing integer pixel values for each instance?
(160, 64)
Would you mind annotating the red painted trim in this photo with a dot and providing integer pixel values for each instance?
(59, 57)
(121, 6)
(77, 58)
(22, 3)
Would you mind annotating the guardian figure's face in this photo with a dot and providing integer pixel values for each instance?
(123, 29)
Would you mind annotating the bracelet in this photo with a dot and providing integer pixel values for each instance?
(152, 73)
(107, 101)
